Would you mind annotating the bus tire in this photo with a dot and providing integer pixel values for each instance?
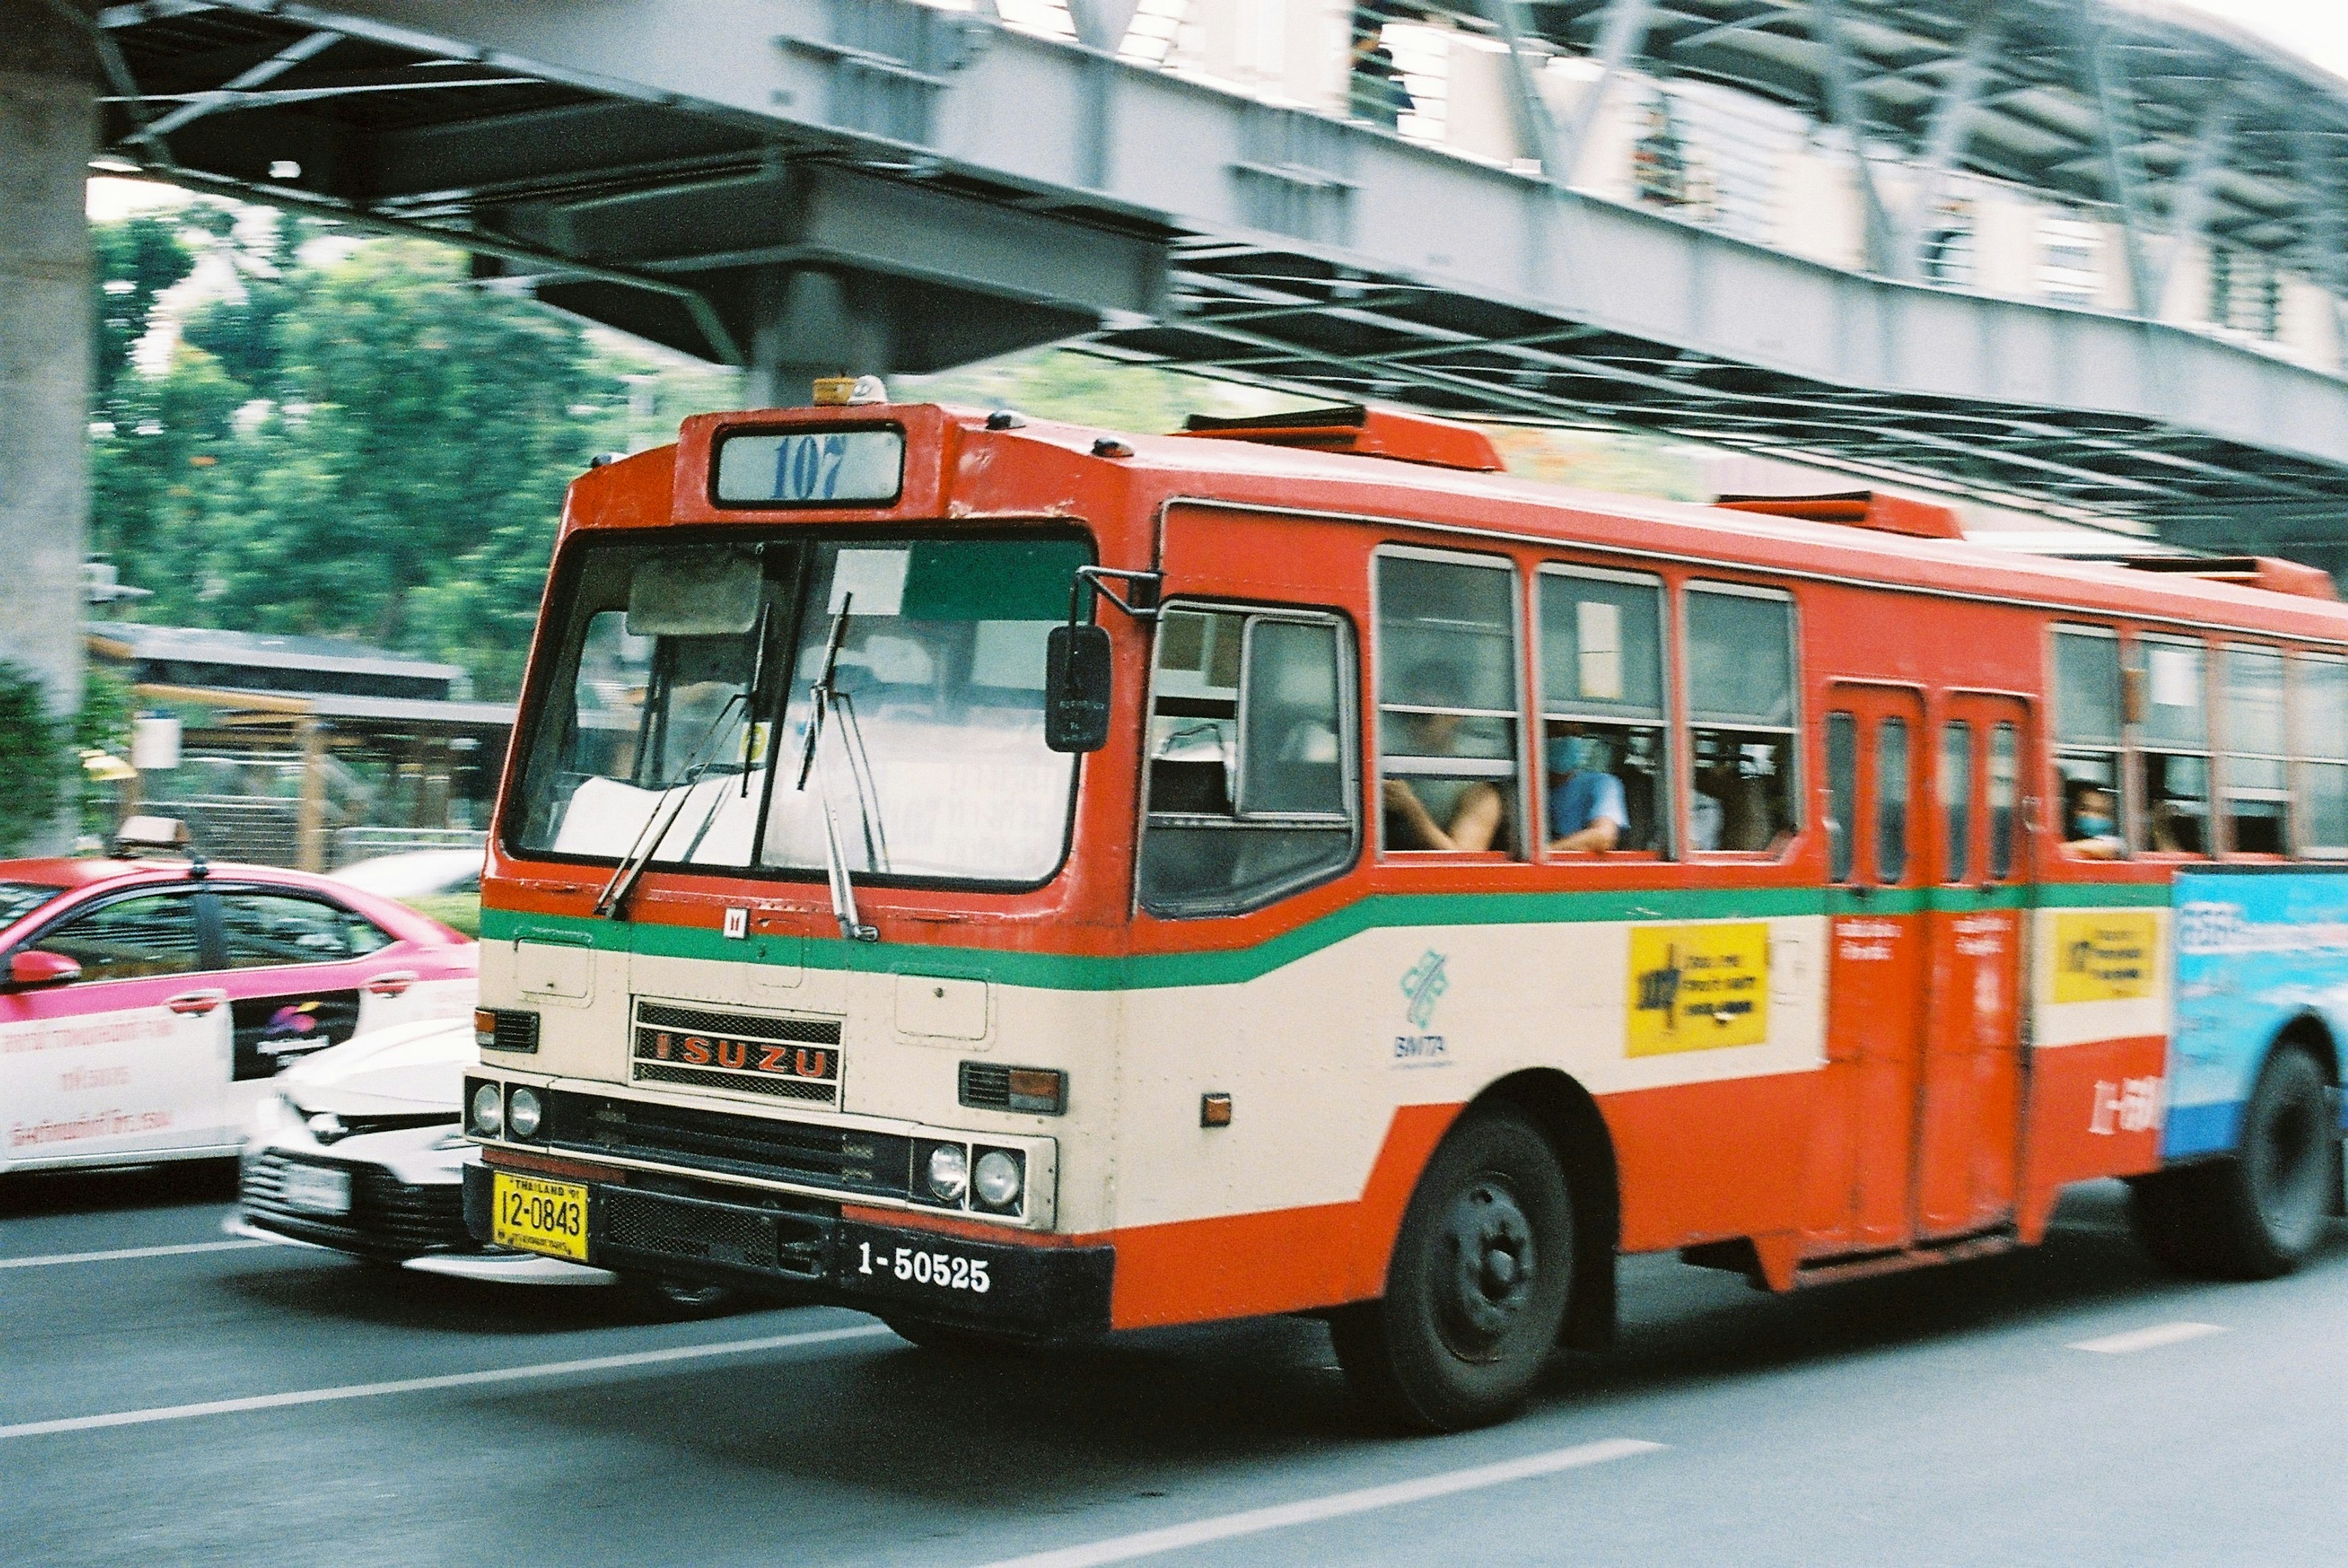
(1479, 1286)
(2257, 1212)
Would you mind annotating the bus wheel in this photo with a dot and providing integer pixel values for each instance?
(2255, 1214)
(1479, 1285)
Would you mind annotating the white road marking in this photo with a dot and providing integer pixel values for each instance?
(54, 1258)
(448, 1380)
(2151, 1338)
(1255, 1520)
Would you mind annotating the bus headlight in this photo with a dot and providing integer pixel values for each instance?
(488, 1111)
(524, 1111)
(947, 1172)
(999, 1175)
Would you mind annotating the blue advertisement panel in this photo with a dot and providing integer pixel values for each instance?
(2255, 949)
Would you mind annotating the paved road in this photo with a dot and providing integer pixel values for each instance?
(252, 1405)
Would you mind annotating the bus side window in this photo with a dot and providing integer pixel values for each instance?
(1602, 706)
(1956, 800)
(1447, 701)
(1891, 800)
(1251, 760)
(2172, 739)
(2258, 772)
(1740, 684)
(2087, 736)
(2005, 796)
(2319, 714)
(1842, 793)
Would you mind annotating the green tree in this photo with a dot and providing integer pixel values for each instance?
(33, 761)
(133, 262)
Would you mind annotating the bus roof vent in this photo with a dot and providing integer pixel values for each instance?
(2251, 572)
(1859, 510)
(1367, 432)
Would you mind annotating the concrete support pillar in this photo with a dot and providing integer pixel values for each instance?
(811, 323)
(49, 130)
(310, 813)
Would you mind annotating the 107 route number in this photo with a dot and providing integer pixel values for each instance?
(915, 1267)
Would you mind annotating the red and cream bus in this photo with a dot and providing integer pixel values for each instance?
(1441, 887)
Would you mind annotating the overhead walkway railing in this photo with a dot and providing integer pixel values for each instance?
(1470, 223)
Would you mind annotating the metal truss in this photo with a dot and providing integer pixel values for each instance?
(645, 163)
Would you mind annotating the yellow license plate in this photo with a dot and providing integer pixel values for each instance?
(539, 1217)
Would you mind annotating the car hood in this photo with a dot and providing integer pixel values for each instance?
(409, 1067)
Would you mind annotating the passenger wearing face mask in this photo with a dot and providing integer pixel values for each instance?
(1586, 813)
(2094, 828)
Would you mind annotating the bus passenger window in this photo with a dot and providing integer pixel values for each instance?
(2087, 736)
(2173, 747)
(1740, 681)
(1842, 793)
(2258, 772)
(1956, 800)
(1891, 800)
(1447, 701)
(2319, 711)
(2004, 794)
(1251, 756)
(1601, 640)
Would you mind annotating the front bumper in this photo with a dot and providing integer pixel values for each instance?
(806, 1250)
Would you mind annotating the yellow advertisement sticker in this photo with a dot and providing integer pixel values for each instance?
(1697, 987)
(2104, 958)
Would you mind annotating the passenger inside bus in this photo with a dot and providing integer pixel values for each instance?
(1428, 810)
(1589, 812)
(2090, 824)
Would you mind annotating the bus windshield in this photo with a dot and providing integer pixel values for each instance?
(676, 716)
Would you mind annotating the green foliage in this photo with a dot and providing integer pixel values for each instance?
(103, 724)
(460, 912)
(136, 260)
(33, 761)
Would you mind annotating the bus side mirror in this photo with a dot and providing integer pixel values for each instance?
(1077, 689)
(33, 967)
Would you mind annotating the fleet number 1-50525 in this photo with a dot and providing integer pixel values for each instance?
(916, 1267)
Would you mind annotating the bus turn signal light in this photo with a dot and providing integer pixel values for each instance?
(1039, 1088)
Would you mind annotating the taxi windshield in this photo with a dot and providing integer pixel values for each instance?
(18, 899)
(675, 716)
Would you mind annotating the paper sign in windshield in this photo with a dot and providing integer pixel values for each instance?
(1697, 987)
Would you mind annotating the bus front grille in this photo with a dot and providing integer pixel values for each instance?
(789, 1242)
(841, 1158)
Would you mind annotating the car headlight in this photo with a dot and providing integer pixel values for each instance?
(488, 1111)
(524, 1110)
(947, 1172)
(999, 1175)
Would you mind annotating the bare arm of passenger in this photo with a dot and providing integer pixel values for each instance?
(1600, 836)
(1473, 826)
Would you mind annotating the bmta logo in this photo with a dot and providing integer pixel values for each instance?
(1425, 986)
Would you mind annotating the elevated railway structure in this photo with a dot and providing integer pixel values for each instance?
(2078, 255)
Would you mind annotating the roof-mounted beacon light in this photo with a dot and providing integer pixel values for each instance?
(850, 391)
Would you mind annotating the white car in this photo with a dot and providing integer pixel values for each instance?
(359, 1151)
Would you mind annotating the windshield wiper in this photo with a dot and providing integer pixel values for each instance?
(823, 695)
(614, 901)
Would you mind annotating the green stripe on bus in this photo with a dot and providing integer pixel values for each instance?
(1155, 971)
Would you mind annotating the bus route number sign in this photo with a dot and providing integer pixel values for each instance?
(811, 468)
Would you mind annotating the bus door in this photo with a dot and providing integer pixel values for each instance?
(1859, 1184)
(1968, 1113)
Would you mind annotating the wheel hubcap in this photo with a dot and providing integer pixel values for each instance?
(1493, 1265)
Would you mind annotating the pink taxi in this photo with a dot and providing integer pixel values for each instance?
(146, 1005)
